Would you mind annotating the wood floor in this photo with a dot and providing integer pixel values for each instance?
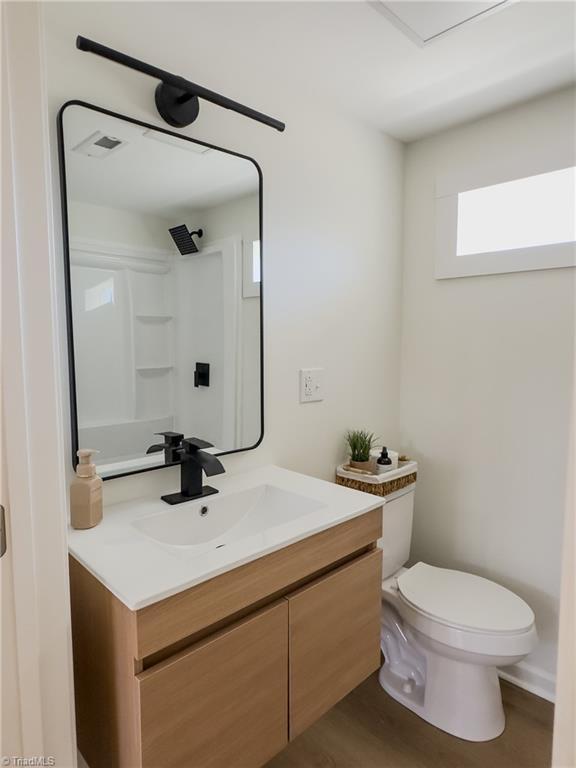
(368, 729)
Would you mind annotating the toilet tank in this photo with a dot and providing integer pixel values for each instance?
(397, 515)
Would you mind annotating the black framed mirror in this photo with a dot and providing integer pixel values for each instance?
(163, 265)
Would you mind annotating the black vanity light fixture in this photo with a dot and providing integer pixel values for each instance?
(176, 98)
(183, 239)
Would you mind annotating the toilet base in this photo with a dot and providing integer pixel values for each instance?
(473, 711)
(452, 694)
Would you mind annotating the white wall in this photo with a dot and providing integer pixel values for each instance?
(31, 416)
(486, 383)
(332, 213)
(100, 222)
(491, 480)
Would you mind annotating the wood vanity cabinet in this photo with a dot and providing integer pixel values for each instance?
(226, 696)
(334, 631)
(224, 674)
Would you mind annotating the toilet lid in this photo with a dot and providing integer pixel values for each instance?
(464, 600)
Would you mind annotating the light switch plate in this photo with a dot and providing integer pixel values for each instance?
(311, 385)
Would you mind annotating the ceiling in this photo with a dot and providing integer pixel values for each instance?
(350, 55)
(347, 55)
(151, 172)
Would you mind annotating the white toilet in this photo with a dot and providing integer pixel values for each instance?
(445, 632)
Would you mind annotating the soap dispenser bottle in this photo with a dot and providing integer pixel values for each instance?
(384, 462)
(85, 493)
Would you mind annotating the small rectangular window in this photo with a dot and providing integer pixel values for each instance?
(536, 210)
(99, 295)
(252, 270)
(518, 225)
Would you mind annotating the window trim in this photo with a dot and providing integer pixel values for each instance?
(449, 264)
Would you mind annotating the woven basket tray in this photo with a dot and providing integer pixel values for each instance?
(378, 489)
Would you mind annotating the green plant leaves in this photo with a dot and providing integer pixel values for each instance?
(360, 441)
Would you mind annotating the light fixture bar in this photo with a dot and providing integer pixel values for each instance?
(176, 97)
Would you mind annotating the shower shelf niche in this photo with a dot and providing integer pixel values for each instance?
(163, 367)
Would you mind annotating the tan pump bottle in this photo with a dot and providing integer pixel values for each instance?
(85, 493)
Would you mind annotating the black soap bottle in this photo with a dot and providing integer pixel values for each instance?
(383, 462)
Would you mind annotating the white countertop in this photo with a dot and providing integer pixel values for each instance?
(140, 571)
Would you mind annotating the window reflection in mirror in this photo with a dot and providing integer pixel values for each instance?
(143, 314)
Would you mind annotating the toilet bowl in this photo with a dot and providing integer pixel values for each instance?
(445, 633)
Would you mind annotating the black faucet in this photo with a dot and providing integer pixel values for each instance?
(192, 462)
(172, 442)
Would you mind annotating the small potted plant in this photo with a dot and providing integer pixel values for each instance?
(359, 444)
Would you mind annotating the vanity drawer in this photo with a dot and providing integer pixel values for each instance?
(334, 637)
(223, 698)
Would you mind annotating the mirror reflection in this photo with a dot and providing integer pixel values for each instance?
(165, 275)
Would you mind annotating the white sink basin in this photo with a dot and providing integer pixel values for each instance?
(215, 521)
(145, 550)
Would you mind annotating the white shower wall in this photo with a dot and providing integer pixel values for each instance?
(199, 296)
(145, 315)
(103, 352)
(122, 330)
(238, 218)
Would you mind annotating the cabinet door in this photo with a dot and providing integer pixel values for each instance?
(223, 702)
(334, 637)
